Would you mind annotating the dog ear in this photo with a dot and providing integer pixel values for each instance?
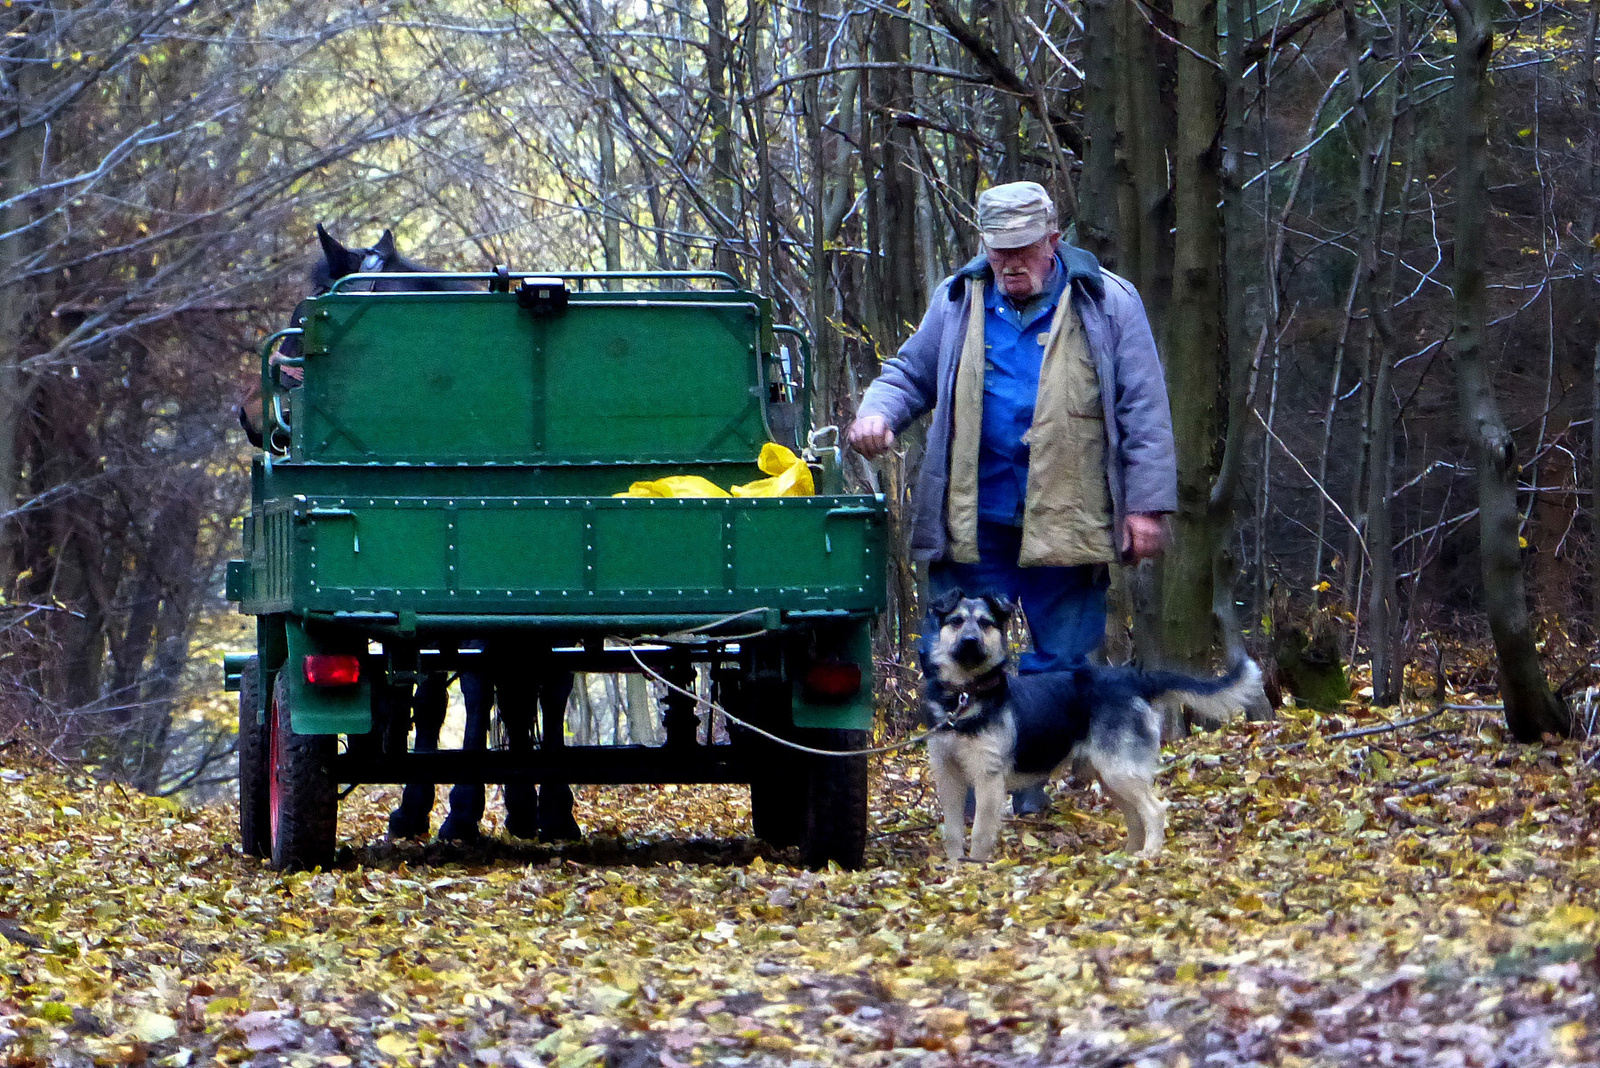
(385, 247)
(943, 606)
(1003, 609)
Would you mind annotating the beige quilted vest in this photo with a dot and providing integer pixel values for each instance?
(1066, 516)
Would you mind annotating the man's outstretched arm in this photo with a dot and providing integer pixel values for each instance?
(1144, 421)
(905, 389)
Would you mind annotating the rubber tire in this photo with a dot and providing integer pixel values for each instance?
(836, 800)
(303, 798)
(778, 796)
(255, 819)
(778, 804)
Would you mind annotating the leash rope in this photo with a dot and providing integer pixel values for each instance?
(669, 684)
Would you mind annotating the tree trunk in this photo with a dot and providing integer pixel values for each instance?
(1372, 150)
(1097, 189)
(1008, 122)
(894, 193)
(756, 122)
(1531, 709)
(1144, 66)
(724, 181)
(823, 347)
(1241, 351)
(1144, 228)
(644, 722)
(1196, 371)
(610, 207)
(174, 560)
(19, 167)
(1586, 235)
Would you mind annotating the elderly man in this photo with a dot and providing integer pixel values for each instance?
(1050, 454)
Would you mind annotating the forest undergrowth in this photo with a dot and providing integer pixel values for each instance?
(1425, 894)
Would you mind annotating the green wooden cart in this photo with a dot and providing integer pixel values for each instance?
(444, 478)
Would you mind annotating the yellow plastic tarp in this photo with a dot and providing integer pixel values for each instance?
(788, 477)
(676, 486)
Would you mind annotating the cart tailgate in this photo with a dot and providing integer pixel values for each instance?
(583, 555)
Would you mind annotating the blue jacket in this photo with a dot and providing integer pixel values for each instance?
(1141, 459)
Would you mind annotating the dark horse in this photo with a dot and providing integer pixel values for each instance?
(511, 674)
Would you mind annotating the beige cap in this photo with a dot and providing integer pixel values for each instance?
(1015, 214)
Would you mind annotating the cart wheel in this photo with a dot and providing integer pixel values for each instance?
(255, 827)
(836, 800)
(778, 806)
(778, 781)
(301, 794)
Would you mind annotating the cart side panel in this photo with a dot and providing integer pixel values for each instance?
(267, 542)
(415, 376)
(521, 547)
(471, 378)
(637, 550)
(403, 545)
(533, 555)
(676, 382)
(786, 547)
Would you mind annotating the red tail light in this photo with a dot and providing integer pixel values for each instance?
(833, 680)
(333, 669)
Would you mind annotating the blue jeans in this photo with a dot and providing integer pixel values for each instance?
(1065, 606)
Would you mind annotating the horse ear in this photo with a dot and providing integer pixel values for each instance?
(340, 260)
(331, 249)
(385, 246)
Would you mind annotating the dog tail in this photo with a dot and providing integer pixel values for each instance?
(1211, 700)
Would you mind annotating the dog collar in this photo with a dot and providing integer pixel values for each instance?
(983, 685)
(963, 698)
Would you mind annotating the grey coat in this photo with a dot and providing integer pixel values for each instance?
(1141, 465)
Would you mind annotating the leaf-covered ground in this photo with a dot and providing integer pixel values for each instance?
(1426, 895)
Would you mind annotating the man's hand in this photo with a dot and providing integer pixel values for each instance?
(870, 436)
(290, 375)
(1143, 536)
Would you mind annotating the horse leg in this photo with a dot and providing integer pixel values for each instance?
(555, 798)
(466, 798)
(519, 703)
(410, 819)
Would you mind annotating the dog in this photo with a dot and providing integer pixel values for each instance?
(994, 732)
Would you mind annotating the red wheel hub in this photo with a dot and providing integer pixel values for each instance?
(274, 767)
